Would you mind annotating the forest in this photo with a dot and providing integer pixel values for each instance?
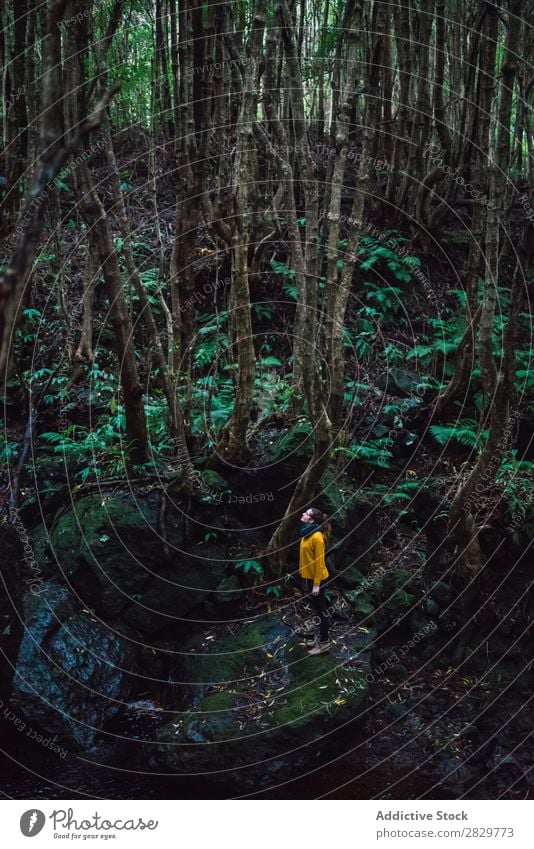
(266, 270)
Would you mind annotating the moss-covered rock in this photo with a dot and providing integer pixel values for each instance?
(362, 604)
(398, 606)
(348, 577)
(229, 590)
(398, 596)
(257, 707)
(189, 580)
(109, 547)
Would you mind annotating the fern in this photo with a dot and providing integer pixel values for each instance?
(282, 269)
(464, 431)
(295, 441)
(270, 361)
(393, 354)
(290, 289)
(420, 352)
(373, 452)
(8, 450)
(402, 491)
(387, 298)
(516, 480)
(261, 311)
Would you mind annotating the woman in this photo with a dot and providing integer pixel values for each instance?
(312, 568)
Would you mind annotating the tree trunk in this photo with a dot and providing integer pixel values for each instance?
(232, 447)
(176, 425)
(96, 220)
(500, 142)
(462, 526)
(54, 153)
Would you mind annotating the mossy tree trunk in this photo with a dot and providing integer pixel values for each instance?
(306, 274)
(96, 220)
(232, 447)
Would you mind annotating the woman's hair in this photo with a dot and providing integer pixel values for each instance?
(321, 519)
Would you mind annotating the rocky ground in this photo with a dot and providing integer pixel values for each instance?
(152, 665)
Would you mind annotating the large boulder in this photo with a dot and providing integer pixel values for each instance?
(189, 580)
(72, 671)
(256, 708)
(110, 547)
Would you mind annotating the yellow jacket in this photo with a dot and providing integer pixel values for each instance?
(311, 560)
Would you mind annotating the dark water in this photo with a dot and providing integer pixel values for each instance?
(117, 770)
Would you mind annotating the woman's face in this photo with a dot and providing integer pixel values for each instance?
(307, 516)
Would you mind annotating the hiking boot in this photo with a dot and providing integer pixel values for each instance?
(320, 648)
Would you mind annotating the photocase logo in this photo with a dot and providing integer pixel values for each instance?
(32, 822)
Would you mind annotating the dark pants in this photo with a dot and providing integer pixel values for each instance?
(319, 604)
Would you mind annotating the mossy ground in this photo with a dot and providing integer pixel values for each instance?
(263, 679)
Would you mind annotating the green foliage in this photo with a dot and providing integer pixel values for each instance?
(210, 536)
(261, 311)
(395, 413)
(8, 450)
(372, 452)
(282, 269)
(211, 344)
(272, 391)
(524, 376)
(387, 298)
(134, 75)
(296, 441)
(103, 386)
(386, 251)
(212, 395)
(393, 355)
(352, 387)
(100, 450)
(403, 490)
(212, 404)
(250, 567)
(385, 257)
(288, 274)
(213, 479)
(422, 352)
(516, 480)
(464, 431)
(448, 333)
(269, 361)
(31, 313)
(366, 336)
(156, 412)
(150, 281)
